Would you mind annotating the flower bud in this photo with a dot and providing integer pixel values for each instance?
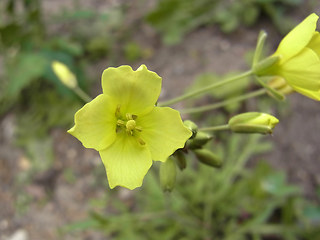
(181, 159)
(207, 157)
(64, 74)
(168, 175)
(201, 139)
(253, 122)
(192, 127)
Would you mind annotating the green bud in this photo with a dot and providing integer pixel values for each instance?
(192, 127)
(253, 122)
(181, 159)
(201, 139)
(264, 64)
(207, 157)
(168, 175)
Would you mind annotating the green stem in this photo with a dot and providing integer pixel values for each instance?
(85, 97)
(215, 128)
(205, 89)
(225, 102)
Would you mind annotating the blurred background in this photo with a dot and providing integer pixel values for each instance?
(51, 187)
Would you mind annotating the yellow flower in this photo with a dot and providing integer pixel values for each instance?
(126, 127)
(299, 59)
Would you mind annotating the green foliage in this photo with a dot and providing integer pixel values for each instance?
(69, 175)
(102, 38)
(230, 203)
(33, 123)
(36, 120)
(27, 53)
(29, 44)
(25, 68)
(133, 51)
(175, 18)
(20, 23)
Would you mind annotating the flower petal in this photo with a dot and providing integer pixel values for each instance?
(95, 123)
(314, 44)
(163, 132)
(126, 162)
(298, 38)
(135, 91)
(303, 70)
(315, 95)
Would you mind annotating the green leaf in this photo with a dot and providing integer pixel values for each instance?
(275, 184)
(11, 34)
(26, 68)
(81, 225)
(250, 14)
(10, 6)
(312, 213)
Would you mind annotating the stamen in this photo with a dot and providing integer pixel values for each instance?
(138, 128)
(129, 132)
(141, 141)
(121, 123)
(128, 125)
(129, 116)
(117, 113)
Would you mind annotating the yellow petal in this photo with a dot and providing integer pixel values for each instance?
(135, 91)
(302, 71)
(315, 95)
(298, 38)
(126, 162)
(95, 123)
(163, 132)
(314, 44)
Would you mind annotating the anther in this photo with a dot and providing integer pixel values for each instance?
(129, 116)
(141, 141)
(121, 123)
(129, 132)
(117, 113)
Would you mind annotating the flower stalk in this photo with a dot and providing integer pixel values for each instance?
(84, 96)
(225, 102)
(215, 128)
(205, 89)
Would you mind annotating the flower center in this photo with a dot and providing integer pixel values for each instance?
(128, 124)
(131, 125)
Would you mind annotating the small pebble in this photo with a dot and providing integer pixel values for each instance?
(20, 234)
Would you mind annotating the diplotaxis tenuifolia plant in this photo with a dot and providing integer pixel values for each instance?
(130, 129)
